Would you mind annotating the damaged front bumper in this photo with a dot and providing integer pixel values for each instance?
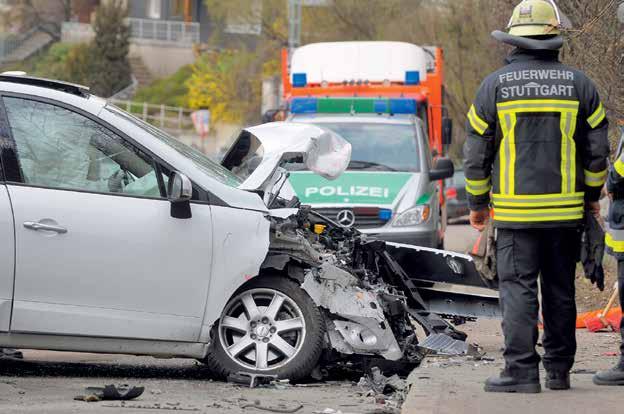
(359, 323)
(374, 292)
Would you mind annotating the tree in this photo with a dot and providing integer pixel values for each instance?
(227, 83)
(461, 27)
(596, 46)
(48, 15)
(110, 67)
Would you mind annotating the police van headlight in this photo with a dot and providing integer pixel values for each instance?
(413, 217)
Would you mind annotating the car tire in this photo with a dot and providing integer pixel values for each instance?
(226, 357)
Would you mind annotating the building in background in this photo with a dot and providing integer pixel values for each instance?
(165, 28)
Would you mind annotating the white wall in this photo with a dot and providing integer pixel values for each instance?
(161, 59)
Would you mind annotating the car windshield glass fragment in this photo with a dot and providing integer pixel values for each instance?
(379, 147)
(202, 162)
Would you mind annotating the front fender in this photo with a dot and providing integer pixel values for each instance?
(240, 246)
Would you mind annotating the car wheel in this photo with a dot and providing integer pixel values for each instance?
(270, 327)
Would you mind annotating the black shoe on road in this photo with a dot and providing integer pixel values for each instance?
(525, 384)
(558, 380)
(614, 376)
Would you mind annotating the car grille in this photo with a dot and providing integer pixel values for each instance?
(365, 217)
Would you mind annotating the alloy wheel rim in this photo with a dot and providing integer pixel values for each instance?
(262, 329)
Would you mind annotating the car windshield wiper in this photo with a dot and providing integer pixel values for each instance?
(368, 165)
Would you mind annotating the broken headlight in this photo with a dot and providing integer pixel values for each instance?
(412, 217)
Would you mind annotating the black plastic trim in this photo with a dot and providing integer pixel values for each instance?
(57, 85)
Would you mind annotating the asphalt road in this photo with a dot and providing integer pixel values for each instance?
(47, 382)
(460, 237)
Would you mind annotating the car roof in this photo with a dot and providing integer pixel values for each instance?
(64, 92)
(356, 118)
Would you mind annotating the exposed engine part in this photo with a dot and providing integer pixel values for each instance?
(370, 290)
(367, 339)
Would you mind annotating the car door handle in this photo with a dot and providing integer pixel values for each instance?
(33, 225)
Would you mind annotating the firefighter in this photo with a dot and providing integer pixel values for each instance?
(536, 152)
(615, 246)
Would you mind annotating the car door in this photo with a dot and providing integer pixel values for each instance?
(7, 256)
(97, 251)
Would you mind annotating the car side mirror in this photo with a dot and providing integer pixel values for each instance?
(442, 169)
(179, 193)
(447, 131)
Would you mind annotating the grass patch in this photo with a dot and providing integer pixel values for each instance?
(171, 91)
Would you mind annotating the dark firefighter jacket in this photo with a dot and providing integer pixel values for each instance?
(615, 219)
(537, 143)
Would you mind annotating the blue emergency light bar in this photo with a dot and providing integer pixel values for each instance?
(353, 105)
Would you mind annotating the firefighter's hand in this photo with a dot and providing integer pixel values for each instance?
(479, 218)
(593, 208)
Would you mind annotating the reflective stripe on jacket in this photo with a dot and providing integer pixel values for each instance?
(537, 143)
(614, 239)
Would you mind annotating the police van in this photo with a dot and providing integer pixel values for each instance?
(392, 116)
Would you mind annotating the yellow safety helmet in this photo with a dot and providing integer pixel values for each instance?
(535, 18)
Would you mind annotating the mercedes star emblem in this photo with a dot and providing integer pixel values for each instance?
(454, 265)
(346, 218)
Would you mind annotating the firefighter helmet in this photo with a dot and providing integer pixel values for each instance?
(535, 18)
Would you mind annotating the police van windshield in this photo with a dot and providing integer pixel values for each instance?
(379, 147)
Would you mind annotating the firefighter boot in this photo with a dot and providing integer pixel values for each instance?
(558, 380)
(520, 381)
(614, 376)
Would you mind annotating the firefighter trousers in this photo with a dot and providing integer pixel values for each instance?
(525, 256)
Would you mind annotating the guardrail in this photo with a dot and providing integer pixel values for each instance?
(164, 30)
(169, 31)
(173, 119)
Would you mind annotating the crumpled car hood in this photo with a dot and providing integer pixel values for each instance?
(323, 152)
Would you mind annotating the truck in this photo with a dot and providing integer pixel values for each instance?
(386, 99)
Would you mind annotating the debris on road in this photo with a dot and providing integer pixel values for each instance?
(122, 392)
(442, 344)
(388, 391)
(281, 408)
(154, 406)
(10, 353)
(251, 379)
(444, 361)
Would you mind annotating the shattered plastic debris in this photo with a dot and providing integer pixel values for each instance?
(110, 392)
(10, 353)
(154, 406)
(281, 408)
(444, 361)
(251, 379)
(389, 391)
(445, 345)
(280, 384)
